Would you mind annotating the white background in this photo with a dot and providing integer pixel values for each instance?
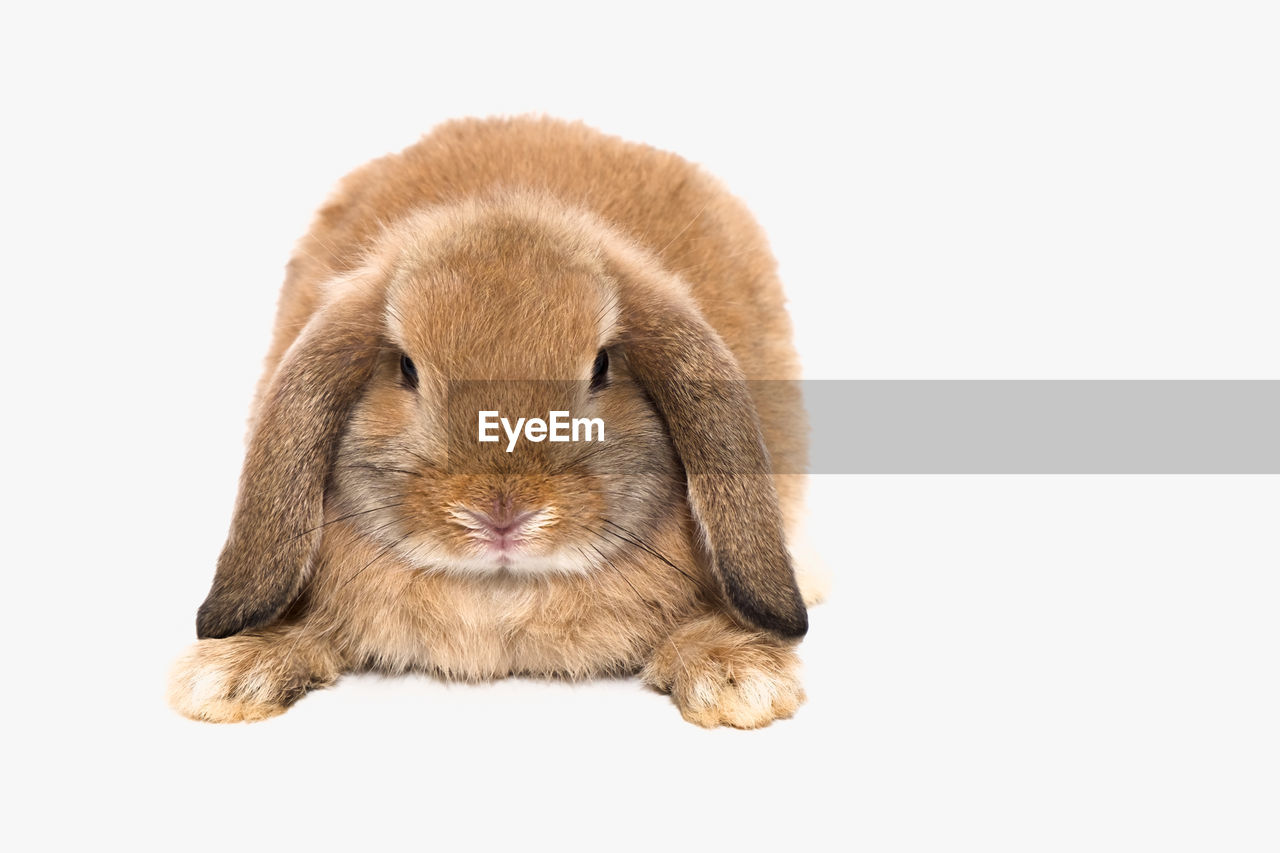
(977, 190)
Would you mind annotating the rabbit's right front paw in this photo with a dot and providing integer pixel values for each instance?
(237, 679)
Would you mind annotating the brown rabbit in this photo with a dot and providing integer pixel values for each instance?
(523, 266)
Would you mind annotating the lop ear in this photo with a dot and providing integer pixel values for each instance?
(703, 397)
(280, 506)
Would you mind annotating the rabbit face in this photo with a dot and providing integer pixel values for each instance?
(491, 312)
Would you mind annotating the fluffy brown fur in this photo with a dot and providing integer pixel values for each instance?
(501, 257)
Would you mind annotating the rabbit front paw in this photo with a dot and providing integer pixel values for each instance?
(721, 675)
(244, 678)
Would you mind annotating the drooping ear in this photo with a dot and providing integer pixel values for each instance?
(280, 507)
(701, 393)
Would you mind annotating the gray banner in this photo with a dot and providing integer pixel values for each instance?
(1044, 427)
(878, 427)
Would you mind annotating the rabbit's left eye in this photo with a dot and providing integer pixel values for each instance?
(409, 371)
(600, 370)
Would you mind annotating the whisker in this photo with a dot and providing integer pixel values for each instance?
(599, 535)
(386, 469)
(621, 573)
(315, 575)
(628, 536)
(684, 229)
(342, 518)
(375, 559)
(311, 616)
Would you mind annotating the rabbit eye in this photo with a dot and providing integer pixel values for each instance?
(409, 371)
(600, 370)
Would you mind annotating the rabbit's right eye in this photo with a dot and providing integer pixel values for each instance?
(600, 371)
(409, 371)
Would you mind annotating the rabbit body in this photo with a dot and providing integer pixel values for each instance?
(509, 259)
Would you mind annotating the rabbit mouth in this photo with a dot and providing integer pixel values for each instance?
(505, 549)
(519, 554)
(519, 561)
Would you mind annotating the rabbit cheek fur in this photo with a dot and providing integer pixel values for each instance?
(363, 534)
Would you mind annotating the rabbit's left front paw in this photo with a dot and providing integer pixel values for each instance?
(723, 676)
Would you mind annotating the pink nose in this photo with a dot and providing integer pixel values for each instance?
(501, 526)
(506, 524)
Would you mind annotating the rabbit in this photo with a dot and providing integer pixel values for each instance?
(526, 265)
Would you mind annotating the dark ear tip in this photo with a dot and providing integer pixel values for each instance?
(791, 624)
(211, 624)
(795, 626)
(207, 627)
(784, 615)
(215, 621)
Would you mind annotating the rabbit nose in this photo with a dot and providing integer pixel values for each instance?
(504, 525)
(500, 522)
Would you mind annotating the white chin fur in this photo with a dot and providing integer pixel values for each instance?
(567, 563)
